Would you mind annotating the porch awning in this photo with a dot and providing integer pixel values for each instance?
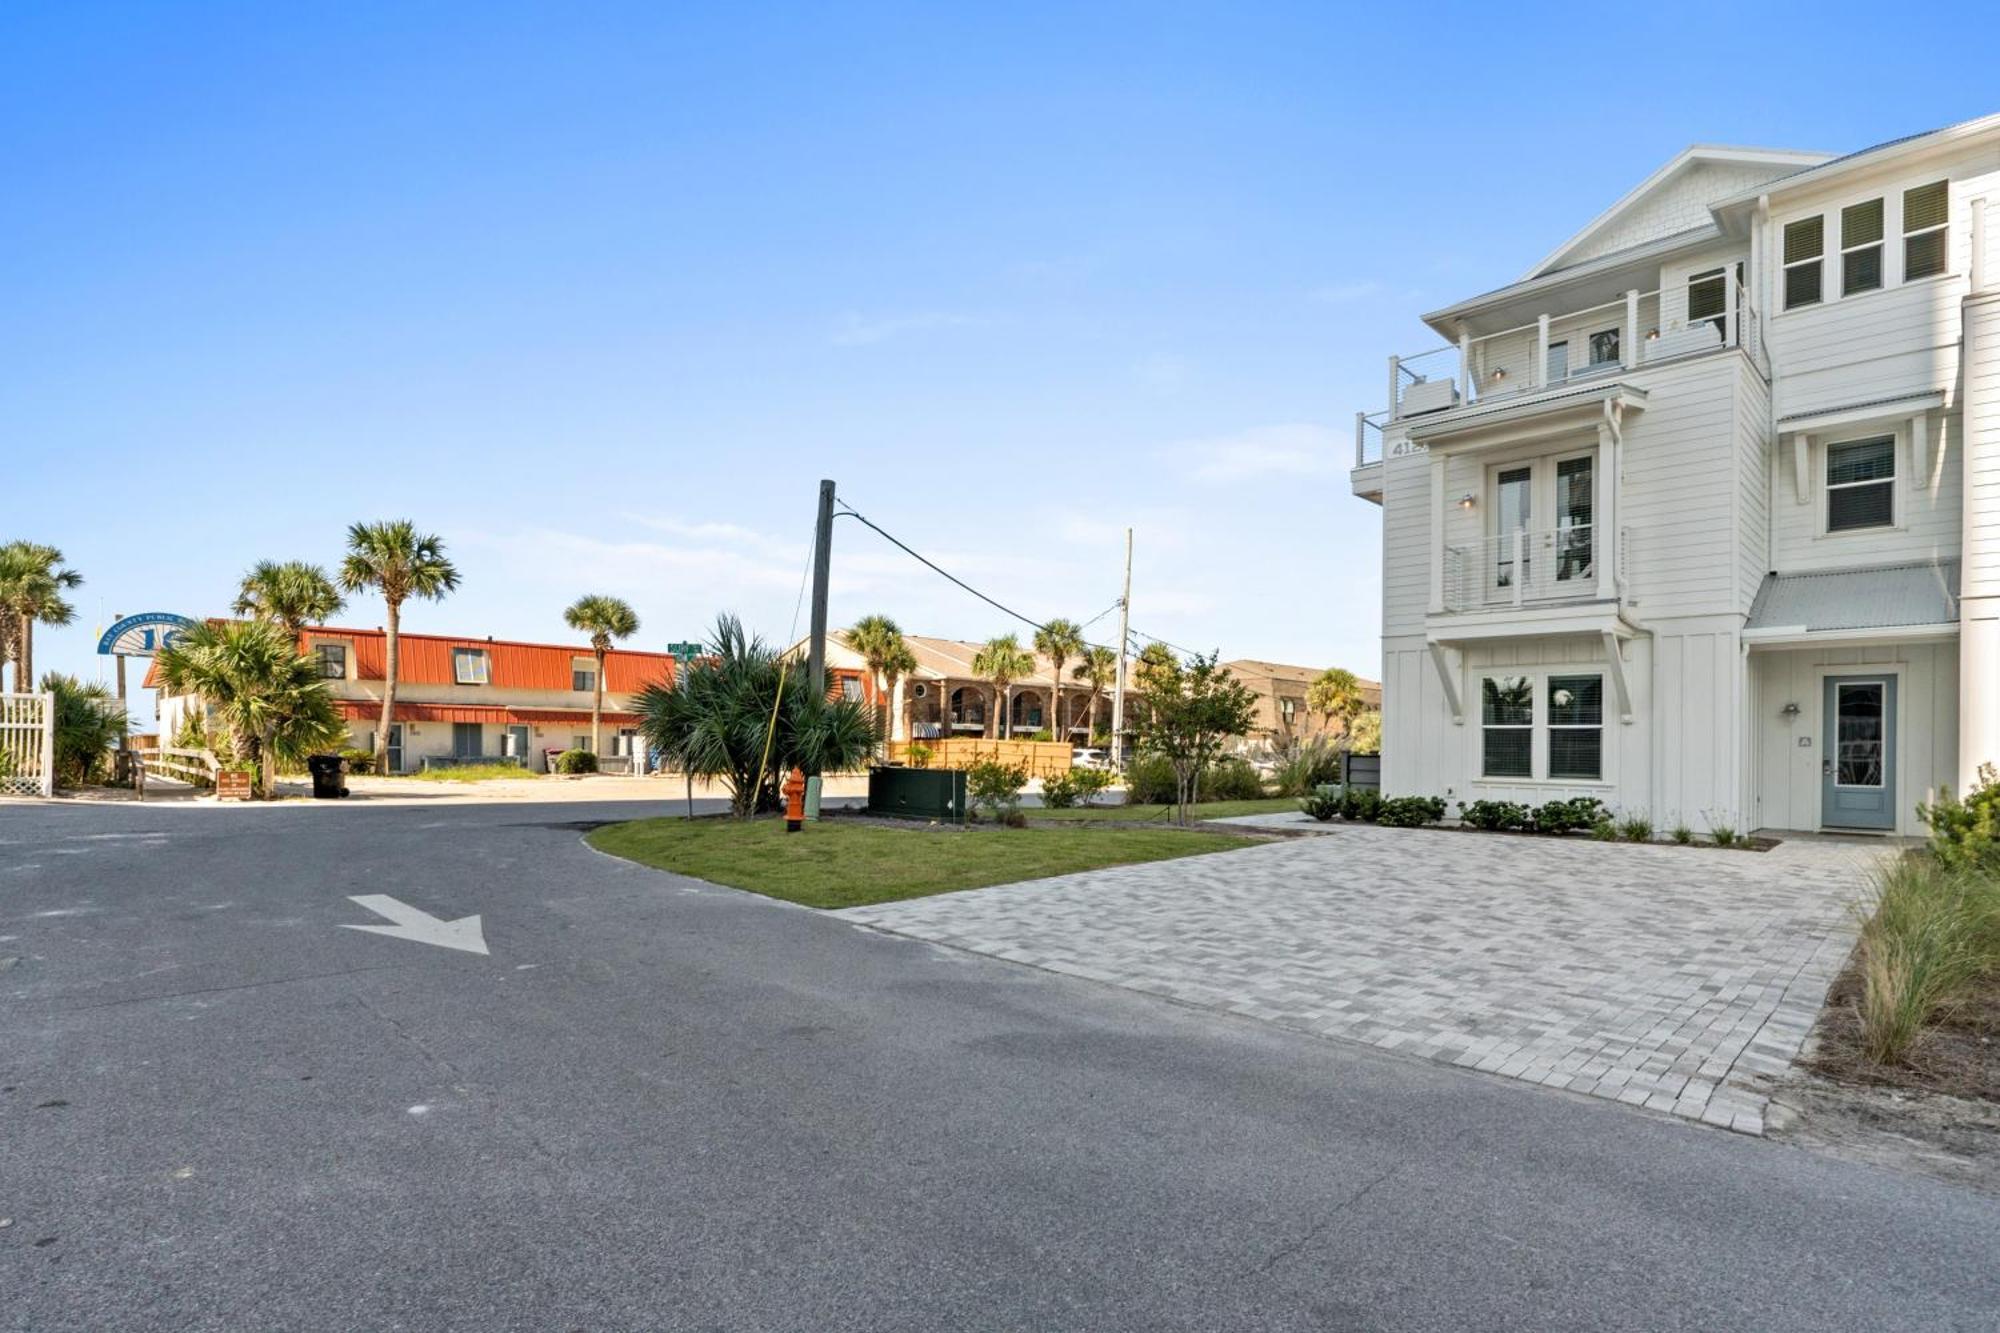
(1921, 595)
(356, 710)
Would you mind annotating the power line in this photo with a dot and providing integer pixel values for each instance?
(852, 512)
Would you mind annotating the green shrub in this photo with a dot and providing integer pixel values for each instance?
(1090, 783)
(995, 788)
(576, 761)
(1231, 780)
(1410, 811)
(1323, 802)
(1149, 780)
(89, 723)
(1966, 833)
(1044, 735)
(358, 759)
(1495, 816)
(1604, 830)
(1311, 765)
(1560, 817)
(1361, 804)
(1059, 790)
(918, 756)
(1636, 828)
(1682, 834)
(1724, 834)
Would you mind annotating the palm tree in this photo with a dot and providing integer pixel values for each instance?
(89, 724)
(32, 582)
(267, 695)
(293, 594)
(393, 558)
(1059, 640)
(1097, 668)
(738, 716)
(603, 618)
(1002, 661)
(1336, 692)
(880, 642)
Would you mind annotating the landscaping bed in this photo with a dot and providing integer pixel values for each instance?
(853, 863)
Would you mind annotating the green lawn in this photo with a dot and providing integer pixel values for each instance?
(1161, 814)
(832, 864)
(472, 773)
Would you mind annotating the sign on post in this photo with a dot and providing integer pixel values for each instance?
(232, 784)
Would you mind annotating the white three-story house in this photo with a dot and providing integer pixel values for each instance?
(1702, 515)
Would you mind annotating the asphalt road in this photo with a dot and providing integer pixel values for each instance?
(656, 1104)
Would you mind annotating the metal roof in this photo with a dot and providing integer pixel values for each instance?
(1923, 592)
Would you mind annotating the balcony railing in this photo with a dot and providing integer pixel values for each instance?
(1522, 567)
(1368, 437)
(1576, 346)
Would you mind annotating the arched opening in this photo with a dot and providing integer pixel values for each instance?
(1029, 715)
(968, 710)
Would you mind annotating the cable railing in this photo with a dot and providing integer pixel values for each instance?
(1526, 565)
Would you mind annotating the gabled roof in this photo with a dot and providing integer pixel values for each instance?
(1863, 158)
(1250, 668)
(1778, 161)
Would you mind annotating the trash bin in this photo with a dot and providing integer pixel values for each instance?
(329, 774)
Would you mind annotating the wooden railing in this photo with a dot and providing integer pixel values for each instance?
(1041, 758)
(195, 767)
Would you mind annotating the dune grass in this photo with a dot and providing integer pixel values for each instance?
(833, 864)
(1932, 935)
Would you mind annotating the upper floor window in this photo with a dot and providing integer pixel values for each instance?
(850, 689)
(1558, 362)
(1861, 484)
(1805, 243)
(468, 666)
(582, 679)
(1861, 247)
(332, 660)
(1926, 210)
(1604, 347)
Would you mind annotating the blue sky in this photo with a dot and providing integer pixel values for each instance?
(599, 292)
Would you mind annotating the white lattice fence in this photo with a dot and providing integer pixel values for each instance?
(27, 745)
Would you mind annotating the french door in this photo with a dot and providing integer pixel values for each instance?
(1556, 557)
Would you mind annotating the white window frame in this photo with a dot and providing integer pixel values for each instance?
(1944, 257)
(1538, 748)
(1898, 462)
(1879, 244)
(484, 675)
(1819, 259)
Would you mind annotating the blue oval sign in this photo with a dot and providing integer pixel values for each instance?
(144, 634)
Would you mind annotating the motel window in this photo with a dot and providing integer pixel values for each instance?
(626, 742)
(1604, 347)
(1861, 247)
(468, 666)
(1926, 210)
(1507, 721)
(1805, 242)
(579, 742)
(332, 660)
(582, 679)
(850, 689)
(1576, 727)
(1861, 484)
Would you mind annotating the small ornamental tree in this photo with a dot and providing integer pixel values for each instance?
(1191, 709)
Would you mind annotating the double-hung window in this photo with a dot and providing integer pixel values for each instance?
(1805, 244)
(1576, 728)
(1926, 210)
(332, 660)
(1861, 484)
(1861, 247)
(583, 679)
(1507, 723)
(468, 666)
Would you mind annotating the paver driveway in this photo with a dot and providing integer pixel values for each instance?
(1675, 977)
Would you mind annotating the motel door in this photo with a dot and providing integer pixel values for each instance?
(1858, 772)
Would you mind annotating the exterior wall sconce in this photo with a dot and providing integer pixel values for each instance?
(1790, 710)
(1497, 375)
(1467, 500)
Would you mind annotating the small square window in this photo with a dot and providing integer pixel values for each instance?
(1604, 347)
(582, 679)
(468, 666)
(850, 689)
(1861, 484)
(332, 660)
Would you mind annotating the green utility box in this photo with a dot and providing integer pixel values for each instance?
(917, 793)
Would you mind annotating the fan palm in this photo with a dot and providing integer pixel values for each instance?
(1336, 693)
(740, 717)
(396, 560)
(89, 722)
(1003, 661)
(880, 642)
(1059, 640)
(32, 583)
(293, 594)
(1097, 668)
(603, 618)
(269, 698)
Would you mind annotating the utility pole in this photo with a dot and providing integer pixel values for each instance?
(822, 565)
(1118, 681)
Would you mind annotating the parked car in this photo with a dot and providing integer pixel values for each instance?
(1084, 756)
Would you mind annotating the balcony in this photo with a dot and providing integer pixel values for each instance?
(1570, 349)
(1522, 568)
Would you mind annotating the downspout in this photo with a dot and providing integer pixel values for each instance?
(1614, 422)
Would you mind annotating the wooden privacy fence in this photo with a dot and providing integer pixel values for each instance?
(27, 745)
(1041, 758)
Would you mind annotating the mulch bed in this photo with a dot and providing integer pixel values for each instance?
(1958, 1057)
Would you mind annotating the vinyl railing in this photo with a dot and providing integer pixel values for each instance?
(27, 744)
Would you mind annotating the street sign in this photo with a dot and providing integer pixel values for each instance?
(685, 652)
(143, 635)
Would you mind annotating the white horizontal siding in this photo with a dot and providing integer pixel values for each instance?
(1931, 504)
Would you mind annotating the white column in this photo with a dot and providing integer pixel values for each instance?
(1729, 307)
(1437, 533)
(1360, 438)
(1395, 383)
(1604, 516)
(1465, 386)
(896, 705)
(1632, 334)
(1541, 370)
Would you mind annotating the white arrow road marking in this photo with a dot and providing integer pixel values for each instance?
(414, 923)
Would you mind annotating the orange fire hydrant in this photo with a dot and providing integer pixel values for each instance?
(795, 801)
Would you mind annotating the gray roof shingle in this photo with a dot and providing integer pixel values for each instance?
(1921, 592)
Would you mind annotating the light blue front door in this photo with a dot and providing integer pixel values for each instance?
(1858, 767)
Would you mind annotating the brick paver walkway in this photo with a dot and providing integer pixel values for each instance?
(1674, 977)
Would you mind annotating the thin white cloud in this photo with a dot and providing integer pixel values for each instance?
(1297, 449)
(857, 330)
